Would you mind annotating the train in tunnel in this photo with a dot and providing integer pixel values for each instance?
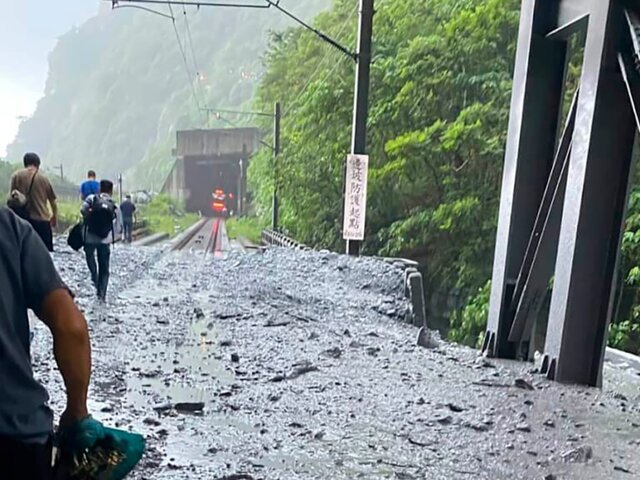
(210, 171)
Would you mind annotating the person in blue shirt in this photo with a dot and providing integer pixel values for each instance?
(89, 187)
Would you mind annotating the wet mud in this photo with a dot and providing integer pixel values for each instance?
(298, 365)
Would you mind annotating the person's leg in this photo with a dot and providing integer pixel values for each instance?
(128, 231)
(104, 257)
(25, 460)
(43, 229)
(90, 254)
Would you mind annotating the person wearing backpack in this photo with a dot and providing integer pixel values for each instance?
(102, 225)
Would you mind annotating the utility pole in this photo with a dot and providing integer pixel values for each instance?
(120, 187)
(276, 178)
(61, 168)
(361, 100)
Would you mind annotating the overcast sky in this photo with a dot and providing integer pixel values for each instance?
(28, 31)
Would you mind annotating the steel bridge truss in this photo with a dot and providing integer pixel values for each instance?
(565, 187)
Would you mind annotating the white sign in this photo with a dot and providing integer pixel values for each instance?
(355, 198)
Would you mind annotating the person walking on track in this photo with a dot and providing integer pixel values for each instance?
(102, 225)
(128, 210)
(31, 196)
(90, 186)
(30, 281)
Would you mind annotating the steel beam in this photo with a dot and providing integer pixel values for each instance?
(567, 16)
(533, 125)
(537, 267)
(594, 205)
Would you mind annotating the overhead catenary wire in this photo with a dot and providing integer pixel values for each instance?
(190, 76)
(190, 40)
(319, 66)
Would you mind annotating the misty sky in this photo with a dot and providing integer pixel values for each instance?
(28, 32)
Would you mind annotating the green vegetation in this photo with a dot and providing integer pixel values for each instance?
(68, 213)
(468, 325)
(164, 215)
(440, 97)
(246, 227)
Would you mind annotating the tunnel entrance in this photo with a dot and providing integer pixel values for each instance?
(211, 183)
(210, 171)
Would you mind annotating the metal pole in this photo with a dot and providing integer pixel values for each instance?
(361, 99)
(276, 179)
(120, 187)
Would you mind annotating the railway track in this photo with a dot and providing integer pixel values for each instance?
(208, 236)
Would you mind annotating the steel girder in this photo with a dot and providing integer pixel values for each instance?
(564, 213)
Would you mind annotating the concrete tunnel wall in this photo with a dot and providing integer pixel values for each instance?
(210, 159)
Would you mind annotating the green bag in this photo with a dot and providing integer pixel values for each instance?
(90, 451)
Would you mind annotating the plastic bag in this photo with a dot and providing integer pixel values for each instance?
(91, 451)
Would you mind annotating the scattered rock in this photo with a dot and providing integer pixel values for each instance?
(302, 370)
(523, 427)
(425, 339)
(198, 313)
(277, 323)
(478, 427)
(333, 352)
(523, 384)
(151, 421)
(455, 408)
(165, 407)
(235, 358)
(189, 407)
(447, 420)
(618, 468)
(549, 423)
(482, 362)
(581, 454)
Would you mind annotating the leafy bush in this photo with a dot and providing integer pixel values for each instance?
(468, 325)
(164, 215)
(246, 227)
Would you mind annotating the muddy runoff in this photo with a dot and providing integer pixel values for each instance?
(297, 365)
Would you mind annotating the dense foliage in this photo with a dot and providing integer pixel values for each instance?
(439, 107)
(440, 95)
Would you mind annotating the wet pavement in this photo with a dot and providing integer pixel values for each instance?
(297, 365)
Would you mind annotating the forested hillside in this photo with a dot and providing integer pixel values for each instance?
(118, 89)
(439, 107)
(440, 95)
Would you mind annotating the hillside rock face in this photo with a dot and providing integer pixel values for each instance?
(118, 87)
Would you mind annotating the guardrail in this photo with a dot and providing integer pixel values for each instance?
(277, 239)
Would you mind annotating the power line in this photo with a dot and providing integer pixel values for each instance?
(190, 39)
(320, 65)
(184, 58)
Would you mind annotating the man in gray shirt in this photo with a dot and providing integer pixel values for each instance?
(29, 280)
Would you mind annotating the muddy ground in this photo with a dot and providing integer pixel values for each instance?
(305, 370)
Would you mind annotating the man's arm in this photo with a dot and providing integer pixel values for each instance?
(53, 201)
(46, 294)
(72, 350)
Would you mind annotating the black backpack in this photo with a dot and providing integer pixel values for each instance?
(76, 238)
(99, 219)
